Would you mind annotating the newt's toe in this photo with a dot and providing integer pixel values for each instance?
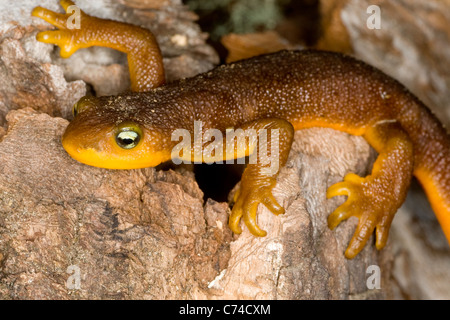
(364, 203)
(246, 207)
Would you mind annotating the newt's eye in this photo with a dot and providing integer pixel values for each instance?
(128, 136)
(75, 109)
(80, 106)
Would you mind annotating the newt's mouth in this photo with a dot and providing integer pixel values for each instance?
(98, 148)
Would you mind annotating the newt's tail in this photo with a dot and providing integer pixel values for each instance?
(432, 157)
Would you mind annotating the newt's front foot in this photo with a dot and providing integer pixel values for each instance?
(247, 199)
(257, 181)
(67, 38)
(144, 57)
(366, 201)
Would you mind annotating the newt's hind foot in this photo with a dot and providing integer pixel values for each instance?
(375, 198)
(366, 201)
(69, 37)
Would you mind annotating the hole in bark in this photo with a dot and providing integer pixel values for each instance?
(217, 180)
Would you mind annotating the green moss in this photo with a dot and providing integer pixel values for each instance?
(220, 17)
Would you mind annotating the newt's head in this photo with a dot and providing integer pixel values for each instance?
(113, 133)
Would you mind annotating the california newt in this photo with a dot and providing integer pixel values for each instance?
(284, 91)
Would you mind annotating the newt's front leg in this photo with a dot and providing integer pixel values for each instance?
(143, 53)
(376, 198)
(270, 153)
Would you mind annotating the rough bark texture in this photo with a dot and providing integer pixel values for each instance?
(413, 46)
(300, 257)
(148, 234)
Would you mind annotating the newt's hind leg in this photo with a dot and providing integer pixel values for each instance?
(376, 198)
(144, 56)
